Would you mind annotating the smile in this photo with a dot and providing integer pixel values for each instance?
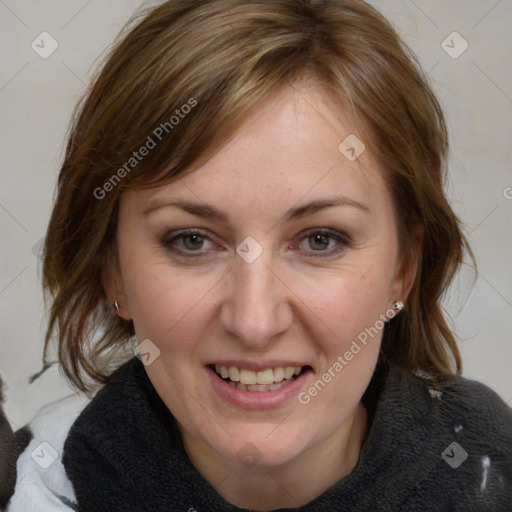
(258, 387)
(269, 379)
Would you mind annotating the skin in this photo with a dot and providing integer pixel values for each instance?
(287, 304)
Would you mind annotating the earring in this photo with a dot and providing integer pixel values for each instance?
(398, 306)
(116, 306)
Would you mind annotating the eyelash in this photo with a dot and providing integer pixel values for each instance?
(172, 237)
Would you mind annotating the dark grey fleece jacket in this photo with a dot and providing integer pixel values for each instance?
(428, 449)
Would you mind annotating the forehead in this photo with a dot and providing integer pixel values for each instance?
(301, 141)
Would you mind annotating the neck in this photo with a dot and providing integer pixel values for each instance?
(290, 485)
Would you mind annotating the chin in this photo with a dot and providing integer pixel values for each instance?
(256, 445)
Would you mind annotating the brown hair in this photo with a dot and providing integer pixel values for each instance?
(220, 57)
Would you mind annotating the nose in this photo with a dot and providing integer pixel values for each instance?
(256, 309)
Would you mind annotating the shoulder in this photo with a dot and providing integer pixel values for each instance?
(472, 403)
(460, 409)
(468, 429)
(476, 407)
(446, 444)
(41, 479)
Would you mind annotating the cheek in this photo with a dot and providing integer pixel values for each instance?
(164, 301)
(349, 301)
(350, 307)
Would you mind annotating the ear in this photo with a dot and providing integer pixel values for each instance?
(113, 286)
(407, 266)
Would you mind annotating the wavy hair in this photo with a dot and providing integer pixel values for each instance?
(226, 56)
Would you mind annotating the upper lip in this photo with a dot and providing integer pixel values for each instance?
(256, 365)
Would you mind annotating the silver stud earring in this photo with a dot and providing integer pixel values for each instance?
(116, 306)
(398, 306)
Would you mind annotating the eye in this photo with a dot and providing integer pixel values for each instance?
(187, 242)
(193, 243)
(324, 242)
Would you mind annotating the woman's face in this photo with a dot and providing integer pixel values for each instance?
(279, 253)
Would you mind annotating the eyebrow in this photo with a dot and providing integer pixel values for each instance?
(208, 211)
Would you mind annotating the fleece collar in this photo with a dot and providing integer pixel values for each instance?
(124, 453)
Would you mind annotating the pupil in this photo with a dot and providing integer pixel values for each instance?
(322, 239)
(195, 240)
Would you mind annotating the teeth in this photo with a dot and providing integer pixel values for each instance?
(278, 374)
(234, 374)
(268, 378)
(256, 387)
(288, 372)
(265, 377)
(248, 376)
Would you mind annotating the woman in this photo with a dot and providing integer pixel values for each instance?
(251, 200)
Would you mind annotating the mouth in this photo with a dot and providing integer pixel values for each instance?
(259, 381)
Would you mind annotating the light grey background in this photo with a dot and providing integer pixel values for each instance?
(37, 97)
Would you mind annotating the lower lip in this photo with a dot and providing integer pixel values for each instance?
(257, 399)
